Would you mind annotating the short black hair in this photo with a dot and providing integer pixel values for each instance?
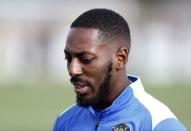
(110, 24)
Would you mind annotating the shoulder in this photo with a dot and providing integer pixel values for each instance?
(70, 110)
(159, 112)
(65, 116)
(170, 125)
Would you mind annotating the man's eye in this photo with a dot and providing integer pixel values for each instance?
(86, 60)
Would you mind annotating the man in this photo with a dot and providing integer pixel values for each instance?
(97, 49)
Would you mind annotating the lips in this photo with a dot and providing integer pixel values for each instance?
(80, 88)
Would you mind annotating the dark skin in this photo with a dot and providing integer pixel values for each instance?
(88, 59)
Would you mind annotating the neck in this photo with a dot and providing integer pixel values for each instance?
(117, 86)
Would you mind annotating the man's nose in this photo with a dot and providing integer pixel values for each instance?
(74, 68)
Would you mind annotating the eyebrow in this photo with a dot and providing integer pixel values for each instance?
(78, 53)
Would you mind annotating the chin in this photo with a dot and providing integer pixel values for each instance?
(85, 102)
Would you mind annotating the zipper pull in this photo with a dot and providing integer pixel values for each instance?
(97, 125)
(99, 116)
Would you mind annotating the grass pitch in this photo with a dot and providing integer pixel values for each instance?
(35, 107)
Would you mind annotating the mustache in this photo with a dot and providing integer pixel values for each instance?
(74, 80)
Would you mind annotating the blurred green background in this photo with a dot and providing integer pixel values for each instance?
(35, 107)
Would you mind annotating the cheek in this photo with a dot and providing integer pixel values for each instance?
(96, 74)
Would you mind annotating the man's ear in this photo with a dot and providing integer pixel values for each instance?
(121, 57)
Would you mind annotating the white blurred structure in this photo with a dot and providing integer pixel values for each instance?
(33, 33)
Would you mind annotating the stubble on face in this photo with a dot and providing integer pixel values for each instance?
(102, 93)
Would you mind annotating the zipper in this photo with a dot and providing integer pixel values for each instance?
(97, 125)
(98, 121)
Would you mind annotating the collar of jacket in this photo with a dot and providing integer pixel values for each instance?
(122, 101)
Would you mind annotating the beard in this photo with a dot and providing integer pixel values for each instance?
(102, 93)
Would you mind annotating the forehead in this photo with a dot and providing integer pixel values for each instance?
(82, 39)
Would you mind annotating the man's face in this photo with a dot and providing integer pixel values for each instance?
(89, 63)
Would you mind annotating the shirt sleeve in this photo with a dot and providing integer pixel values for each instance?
(170, 124)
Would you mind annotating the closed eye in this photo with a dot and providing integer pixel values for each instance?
(86, 60)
